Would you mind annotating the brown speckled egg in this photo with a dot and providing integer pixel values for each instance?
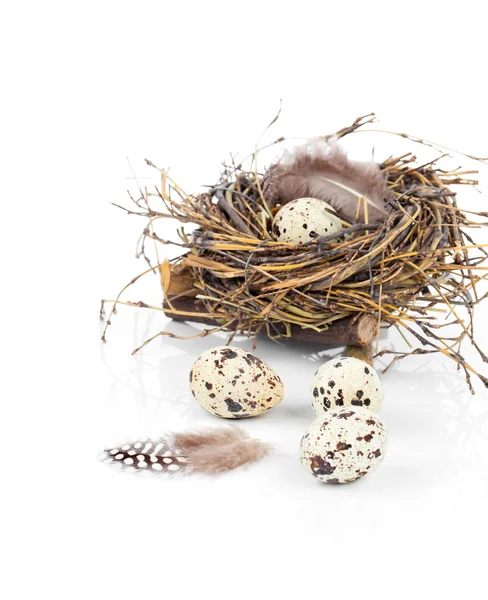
(344, 445)
(346, 381)
(233, 383)
(304, 219)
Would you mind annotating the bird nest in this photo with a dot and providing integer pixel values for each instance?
(401, 271)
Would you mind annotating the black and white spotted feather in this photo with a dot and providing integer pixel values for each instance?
(160, 456)
(209, 451)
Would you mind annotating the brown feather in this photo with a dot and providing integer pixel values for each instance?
(209, 451)
(220, 458)
(208, 437)
(318, 169)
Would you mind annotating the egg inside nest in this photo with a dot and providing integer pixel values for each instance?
(304, 219)
(232, 383)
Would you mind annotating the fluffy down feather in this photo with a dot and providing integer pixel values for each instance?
(222, 458)
(320, 169)
(209, 451)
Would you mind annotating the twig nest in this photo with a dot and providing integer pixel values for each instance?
(232, 383)
(304, 219)
(346, 381)
(344, 445)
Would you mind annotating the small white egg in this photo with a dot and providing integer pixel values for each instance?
(346, 381)
(344, 445)
(304, 219)
(233, 383)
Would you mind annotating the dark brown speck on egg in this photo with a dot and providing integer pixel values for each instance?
(228, 354)
(233, 407)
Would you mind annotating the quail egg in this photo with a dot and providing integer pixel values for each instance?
(344, 445)
(346, 381)
(304, 219)
(232, 383)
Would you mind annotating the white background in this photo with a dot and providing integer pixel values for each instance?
(86, 85)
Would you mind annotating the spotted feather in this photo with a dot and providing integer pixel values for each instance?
(209, 451)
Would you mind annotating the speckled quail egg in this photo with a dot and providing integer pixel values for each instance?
(346, 381)
(304, 219)
(344, 445)
(233, 383)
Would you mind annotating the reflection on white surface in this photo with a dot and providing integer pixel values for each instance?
(438, 432)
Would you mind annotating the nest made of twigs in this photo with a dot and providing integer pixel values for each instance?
(402, 272)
